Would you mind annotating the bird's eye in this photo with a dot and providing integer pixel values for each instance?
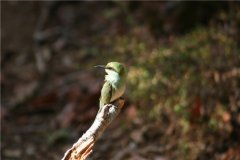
(110, 68)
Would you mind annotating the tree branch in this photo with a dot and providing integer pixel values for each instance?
(83, 147)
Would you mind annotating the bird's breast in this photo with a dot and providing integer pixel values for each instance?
(118, 85)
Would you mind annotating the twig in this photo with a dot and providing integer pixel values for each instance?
(83, 147)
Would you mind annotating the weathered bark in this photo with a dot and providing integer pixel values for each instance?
(83, 147)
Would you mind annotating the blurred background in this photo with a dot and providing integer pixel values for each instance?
(183, 94)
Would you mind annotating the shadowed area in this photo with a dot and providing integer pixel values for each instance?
(183, 78)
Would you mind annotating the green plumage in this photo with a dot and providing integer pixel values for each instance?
(114, 85)
(107, 92)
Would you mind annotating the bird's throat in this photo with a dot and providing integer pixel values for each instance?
(113, 78)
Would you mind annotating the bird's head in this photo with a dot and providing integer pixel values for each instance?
(113, 68)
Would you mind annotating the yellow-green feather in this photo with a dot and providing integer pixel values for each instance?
(106, 94)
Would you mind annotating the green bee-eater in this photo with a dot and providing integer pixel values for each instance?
(114, 85)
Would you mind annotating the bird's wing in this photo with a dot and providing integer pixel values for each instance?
(106, 94)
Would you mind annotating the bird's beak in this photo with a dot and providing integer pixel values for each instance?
(100, 66)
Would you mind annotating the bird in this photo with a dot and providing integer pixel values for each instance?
(114, 84)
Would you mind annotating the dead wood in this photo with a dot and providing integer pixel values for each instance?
(83, 147)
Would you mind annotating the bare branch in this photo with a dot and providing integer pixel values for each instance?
(83, 147)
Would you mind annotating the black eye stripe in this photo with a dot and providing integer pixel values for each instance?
(110, 68)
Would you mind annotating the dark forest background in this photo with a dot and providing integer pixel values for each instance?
(183, 94)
